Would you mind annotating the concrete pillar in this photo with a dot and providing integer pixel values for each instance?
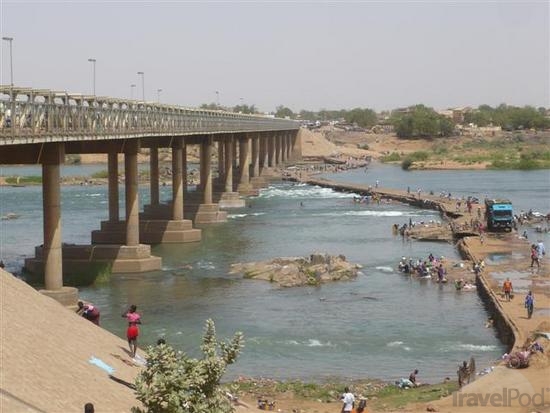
(154, 174)
(112, 169)
(177, 181)
(228, 143)
(53, 155)
(221, 161)
(131, 187)
(236, 153)
(283, 147)
(288, 146)
(263, 152)
(244, 160)
(277, 138)
(270, 150)
(255, 170)
(184, 167)
(206, 169)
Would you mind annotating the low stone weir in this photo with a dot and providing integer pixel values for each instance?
(508, 331)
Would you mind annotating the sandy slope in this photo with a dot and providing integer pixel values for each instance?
(44, 353)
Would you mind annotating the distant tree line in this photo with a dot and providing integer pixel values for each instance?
(362, 117)
(248, 109)
(420, 121)
(509, 117)
(417, 121)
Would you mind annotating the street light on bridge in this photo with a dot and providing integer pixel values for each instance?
(132, 87)
(10, 40)
(158, 95)
(142, 74)
(218, 99)
(92, 61)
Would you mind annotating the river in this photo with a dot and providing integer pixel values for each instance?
(380, 325)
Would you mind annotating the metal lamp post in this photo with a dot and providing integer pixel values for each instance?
(218, 99)
(142, 74)
(132, 87)
(92, 61)
(158, 95)
(10, 40)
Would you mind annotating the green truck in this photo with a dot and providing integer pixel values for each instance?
(499, 214)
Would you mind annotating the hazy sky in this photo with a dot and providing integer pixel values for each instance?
(304, 55)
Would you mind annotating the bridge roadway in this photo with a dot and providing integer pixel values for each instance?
(42, 126)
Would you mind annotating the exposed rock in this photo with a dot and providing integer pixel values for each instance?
(296, 271)
(431, 232)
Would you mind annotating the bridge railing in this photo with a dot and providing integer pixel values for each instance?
(36, 113)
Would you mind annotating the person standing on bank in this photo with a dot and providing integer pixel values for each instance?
(541, 251)
(348, 399)
(507, 288)
(529, 304)
(132, 333)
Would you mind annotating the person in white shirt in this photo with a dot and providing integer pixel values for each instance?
(348, 399)
(540, 249)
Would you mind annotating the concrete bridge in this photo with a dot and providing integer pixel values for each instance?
(42, 126)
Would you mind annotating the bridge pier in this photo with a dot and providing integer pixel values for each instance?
(267, 158)
(256, 180)
(244, 187)
(120, 240)
(165, 223)
(228, 197)
(52, 254)
(207, 212)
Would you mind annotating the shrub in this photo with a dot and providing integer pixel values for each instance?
(175, 383)
(419, 156)
(393, 157)
(406, 164)
(104, 174)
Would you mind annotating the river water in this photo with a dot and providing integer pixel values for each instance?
(380, 325)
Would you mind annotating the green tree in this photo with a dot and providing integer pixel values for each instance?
(282, 112)
(174, 383)
(365, 118)
(421, 122)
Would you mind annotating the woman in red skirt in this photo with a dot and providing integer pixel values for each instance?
(132, 333)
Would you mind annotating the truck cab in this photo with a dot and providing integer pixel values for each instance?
(499, 214)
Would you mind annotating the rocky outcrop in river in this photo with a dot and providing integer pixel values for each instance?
(316, 269)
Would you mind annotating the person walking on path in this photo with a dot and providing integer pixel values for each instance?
(507, 289)
(529, 304)
(132, 333)
(348, 399)
(534, 256)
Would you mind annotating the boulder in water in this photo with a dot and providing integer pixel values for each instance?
(298, 271)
